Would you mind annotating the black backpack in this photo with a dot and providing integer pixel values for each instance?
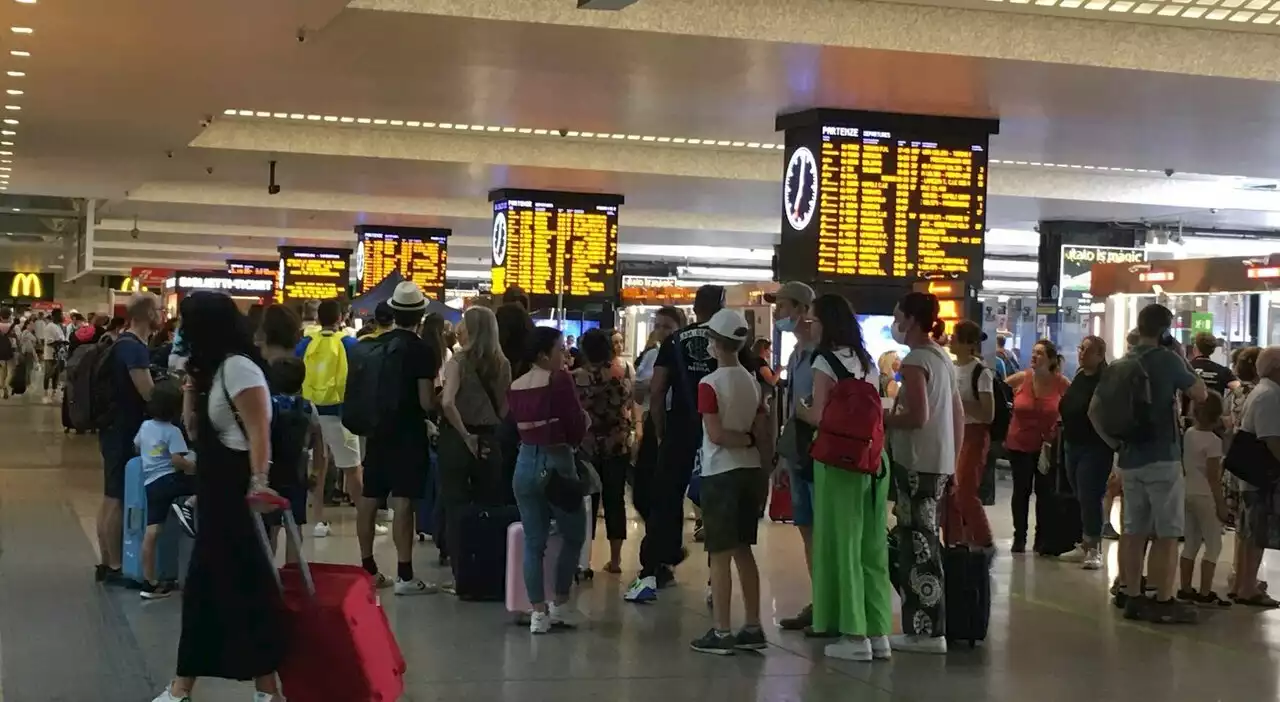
(375, 367)
(290, 431)
(1002, 396)
(103, 398)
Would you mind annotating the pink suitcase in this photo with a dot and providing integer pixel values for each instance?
(517, 597)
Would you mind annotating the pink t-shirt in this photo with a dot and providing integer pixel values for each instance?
(1034, 417)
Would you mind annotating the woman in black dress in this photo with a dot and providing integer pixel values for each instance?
(233, 622)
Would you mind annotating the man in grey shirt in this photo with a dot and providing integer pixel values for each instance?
(1151, 471)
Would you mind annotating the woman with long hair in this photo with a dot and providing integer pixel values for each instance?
(473, 405)
(925, 429)
(889, 363)
(433, 335)
(1037, 391)
(851, 592)
(233, 623)
(551, 422)
(1088, 458)
(966, 521)
(605, 391)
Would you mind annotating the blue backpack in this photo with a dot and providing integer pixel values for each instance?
(290, 431)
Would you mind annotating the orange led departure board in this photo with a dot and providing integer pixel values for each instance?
(253, 268)
(314, 274)
(874, 196)
(550, 243)
(421, 255)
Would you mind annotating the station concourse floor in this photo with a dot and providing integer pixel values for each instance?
(1054, 635)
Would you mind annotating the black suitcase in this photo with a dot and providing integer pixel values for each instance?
(1064, 528)
(480, 537)
(967, 583)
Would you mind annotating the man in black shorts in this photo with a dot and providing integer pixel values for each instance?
(396, 465)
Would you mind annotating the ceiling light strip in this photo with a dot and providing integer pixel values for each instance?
(1200, 12)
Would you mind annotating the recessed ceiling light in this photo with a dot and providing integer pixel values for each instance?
(11, 121)
(6, 153)
(14, 108)
(26, 2)
(5, 168)
(6, 143)
(16, 209)
(20, 53)
(22, 30)
(16, 74)
(11, 91)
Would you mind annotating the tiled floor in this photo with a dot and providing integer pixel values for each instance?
(1054, 635)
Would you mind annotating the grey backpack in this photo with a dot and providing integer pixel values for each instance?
(1124, 399)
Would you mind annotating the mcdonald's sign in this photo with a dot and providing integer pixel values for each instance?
(26, 286)
(126, 284)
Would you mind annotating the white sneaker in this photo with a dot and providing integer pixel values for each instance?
(1094, 560)
(381, 530)
(918, 644)
(880, 648)
(539, 623)
(849, 649)
(1076, 555)
(386, 515)
(565, 615)
(642, 590)
(167, 696)
(267, 697)
(416, 586)
(321, 530)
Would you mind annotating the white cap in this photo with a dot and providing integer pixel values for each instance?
(407, 297)
(730, 324)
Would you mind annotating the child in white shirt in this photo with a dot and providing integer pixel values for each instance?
(1206, 506)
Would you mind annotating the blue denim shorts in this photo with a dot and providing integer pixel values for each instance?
(801, 498)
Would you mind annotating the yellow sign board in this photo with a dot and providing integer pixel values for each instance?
(26, 285)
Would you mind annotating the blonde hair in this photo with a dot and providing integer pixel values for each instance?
(886, 361)
(482, 350)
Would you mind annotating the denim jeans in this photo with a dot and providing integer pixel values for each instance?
(536, 514)
(1088, 467)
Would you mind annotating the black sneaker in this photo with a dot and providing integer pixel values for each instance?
(714, 642)
(699, 533)
(109, 576)
(750, 639)
(1135, 608)
(798, 622)
(1211, 599)
(1019, 545)
(186, 517)
(1169, 612)
(1109, 532)
(1188, 595)
(665, 577)
(155, 591)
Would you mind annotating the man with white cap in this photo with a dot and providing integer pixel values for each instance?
(396, 466)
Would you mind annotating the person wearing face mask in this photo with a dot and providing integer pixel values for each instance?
(1036, 394)
(791, 307)
(925, 429)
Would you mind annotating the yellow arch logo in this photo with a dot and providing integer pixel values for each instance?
(132, 285)
(26, 285)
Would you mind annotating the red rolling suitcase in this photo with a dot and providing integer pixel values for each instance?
(780, 498)
(340, 644)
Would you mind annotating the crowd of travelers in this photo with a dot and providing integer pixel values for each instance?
(418, 421)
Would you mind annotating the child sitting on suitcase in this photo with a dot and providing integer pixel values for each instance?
(736, 437)
(166, 471)
(297, 446)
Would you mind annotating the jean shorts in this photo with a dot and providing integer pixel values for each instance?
(1154, 497)
(801, 498)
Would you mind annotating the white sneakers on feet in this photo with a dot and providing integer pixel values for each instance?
(642, 590)
(167, 696)
(850, 649)
(918, 644)
(381, 530)
(539, 623)
(405, 588)
(1075, 555)
(565, 615)
(321, 530)
(881, 650)
(1093, 561)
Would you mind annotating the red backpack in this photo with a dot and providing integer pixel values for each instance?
(851, 434)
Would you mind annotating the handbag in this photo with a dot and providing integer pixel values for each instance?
(1045, 464)
(1249, 459)
(563, 491)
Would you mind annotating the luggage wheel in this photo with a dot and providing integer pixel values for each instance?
(584, 574)
(422, 537)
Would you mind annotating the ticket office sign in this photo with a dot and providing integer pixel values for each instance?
(553, 243)
(308, 273)
(420, 255)
(872, 197)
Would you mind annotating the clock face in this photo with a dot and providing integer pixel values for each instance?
(800, 189)
(500, 239)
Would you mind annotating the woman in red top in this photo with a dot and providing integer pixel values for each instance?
(1036, 392)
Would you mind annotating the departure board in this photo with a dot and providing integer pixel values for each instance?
(873, 196)
(553, 243)
(313, 274)
(419, 254)
(252, 268)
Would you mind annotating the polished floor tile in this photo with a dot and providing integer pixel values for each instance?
(1054, 633)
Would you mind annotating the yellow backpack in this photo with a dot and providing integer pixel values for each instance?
(326, 362)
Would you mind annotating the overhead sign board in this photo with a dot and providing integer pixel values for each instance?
(420, 255)
(26, 287)
(234, 285)
(1077, 264)
(151, 277)
(253, 268)
(308, 273)
(870, 196)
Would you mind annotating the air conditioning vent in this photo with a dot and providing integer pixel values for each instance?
(1262, 186)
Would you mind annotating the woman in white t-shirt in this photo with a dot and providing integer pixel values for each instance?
(966, 521)
(233, 623)
(851, 591)
(925, 427)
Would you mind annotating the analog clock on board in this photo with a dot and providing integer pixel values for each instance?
(500, 239)
(800, 190)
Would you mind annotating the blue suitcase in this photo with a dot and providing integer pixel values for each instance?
(172, 545)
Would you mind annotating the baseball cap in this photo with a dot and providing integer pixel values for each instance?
(730, 324)
(794, 291)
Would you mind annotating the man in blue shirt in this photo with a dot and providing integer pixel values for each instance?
(791, 305)
(129, 363)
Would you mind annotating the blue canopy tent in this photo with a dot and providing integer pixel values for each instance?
(363, 306)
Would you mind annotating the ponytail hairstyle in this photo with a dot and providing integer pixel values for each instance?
(923, 309)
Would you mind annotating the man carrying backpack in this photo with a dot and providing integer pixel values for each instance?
(8, 349)
(324, 351)
(1135, 410)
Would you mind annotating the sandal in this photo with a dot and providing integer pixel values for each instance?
(1261, 599)
(612, 568)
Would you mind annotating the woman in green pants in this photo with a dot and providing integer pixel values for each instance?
(851, 591)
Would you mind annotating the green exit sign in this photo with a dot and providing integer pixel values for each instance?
(1201, 322)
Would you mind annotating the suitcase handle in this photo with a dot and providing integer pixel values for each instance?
(291, 530)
